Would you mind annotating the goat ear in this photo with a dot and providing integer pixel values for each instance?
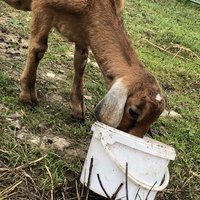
(110, 109)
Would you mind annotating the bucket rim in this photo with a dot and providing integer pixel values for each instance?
(157, 148)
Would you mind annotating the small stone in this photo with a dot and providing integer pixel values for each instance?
(88, 97)
(164, 113)
(171, 113)
(51, 75)
(94, 64)
(60, 143)
(35, 140)
(61, 71)
(70, 55)
(174, 114)
(88, 60)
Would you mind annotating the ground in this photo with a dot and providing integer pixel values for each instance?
(42, 149)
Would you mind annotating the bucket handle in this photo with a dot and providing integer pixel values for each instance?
(144, 185)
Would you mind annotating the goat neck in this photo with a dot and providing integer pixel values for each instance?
(109, 41)
(132, 102)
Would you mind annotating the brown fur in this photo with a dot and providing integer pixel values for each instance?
(95, 24)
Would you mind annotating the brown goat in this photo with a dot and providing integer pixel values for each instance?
(134, 99)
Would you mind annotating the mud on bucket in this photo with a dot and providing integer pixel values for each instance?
(125, 167)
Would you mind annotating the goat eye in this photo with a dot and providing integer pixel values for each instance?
(133, 113)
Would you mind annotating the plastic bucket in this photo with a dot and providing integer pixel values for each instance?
(122, 166)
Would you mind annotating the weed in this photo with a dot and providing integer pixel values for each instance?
(166, 37)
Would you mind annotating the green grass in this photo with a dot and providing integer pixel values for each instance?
(166, 37)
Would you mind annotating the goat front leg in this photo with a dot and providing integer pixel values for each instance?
(77, 93)
(37, 46)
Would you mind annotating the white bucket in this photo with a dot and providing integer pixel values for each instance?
(119, 161)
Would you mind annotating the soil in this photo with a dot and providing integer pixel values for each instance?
(13, 51)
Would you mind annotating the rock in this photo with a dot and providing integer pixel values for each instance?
(88, 60)
(174, 114)
(35, 140)
(171, 113)
(61, 71)
(88, 97)
(94, 64)
(45, 142)
(70, 55)
(56, 97)
(60, 143)
(51, 75)
(164, 113)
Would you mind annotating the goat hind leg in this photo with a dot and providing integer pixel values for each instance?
(77, 93)
(37, 46)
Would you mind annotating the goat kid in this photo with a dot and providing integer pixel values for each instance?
(134, 99)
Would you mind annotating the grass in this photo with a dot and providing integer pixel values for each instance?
(166, 37)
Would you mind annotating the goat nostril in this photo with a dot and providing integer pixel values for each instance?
(133, 113)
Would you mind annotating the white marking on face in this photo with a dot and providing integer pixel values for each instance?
(158, 98)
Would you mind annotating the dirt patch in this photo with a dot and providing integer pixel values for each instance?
(54, 99)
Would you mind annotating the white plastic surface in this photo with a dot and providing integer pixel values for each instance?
(112, 150)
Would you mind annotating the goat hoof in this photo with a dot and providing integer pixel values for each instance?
(78, 116)
(75, 119)
(28, 101)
